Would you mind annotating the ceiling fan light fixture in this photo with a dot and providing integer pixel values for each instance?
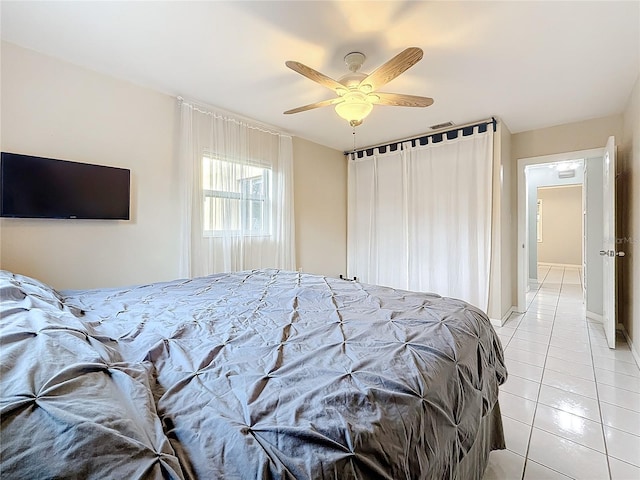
(358, 92)
(355, 108)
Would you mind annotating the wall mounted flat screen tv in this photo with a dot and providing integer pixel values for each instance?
(36, 187)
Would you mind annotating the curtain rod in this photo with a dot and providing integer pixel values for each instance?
(420, 138)
(217, 112)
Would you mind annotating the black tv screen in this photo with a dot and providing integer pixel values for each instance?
(36, 187)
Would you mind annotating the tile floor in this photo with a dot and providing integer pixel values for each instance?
(571, 406)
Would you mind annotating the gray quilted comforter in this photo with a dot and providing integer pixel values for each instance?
(261, 374)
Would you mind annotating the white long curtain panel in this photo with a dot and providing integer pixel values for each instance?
(420, 217)
(237, 194)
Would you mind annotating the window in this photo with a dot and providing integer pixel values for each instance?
(236, 197)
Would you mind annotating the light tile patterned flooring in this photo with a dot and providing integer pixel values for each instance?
(571, 406)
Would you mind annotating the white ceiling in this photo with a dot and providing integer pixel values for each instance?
(533, 64)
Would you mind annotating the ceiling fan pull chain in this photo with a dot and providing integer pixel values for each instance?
(354, 139)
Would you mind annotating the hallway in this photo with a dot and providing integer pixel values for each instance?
(571, 406)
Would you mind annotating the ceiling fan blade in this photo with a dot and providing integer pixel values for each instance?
(314, 75)
(400, 100)
(314, 105)
(394, 67)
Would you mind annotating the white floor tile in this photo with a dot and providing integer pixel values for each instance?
(570, 383)
(516, 435)
(619, 397)
(618, 366)
(543, 317)
(525, 356)
(522, 387)
(598, 342)
(517, 408)
(574, 337)
(567, 457)
(570, 368)
(507, 331)
(504, 340)
(621, 418)
(540, 309)
(571, 328)
(570, 402)
(536, 326)
(576, 357)
(512, 322)
(535, 471)
(529, 346)
(532, 337)
(569, 309)
(524, 370)
(596, 330)
(623, 471)
(569, 321)
(572, 427)
(542, 304)
(569, 344)
(623, 446)
(504, 464)
(619, 353)
(618, 380)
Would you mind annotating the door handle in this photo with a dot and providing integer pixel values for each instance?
(611, 253)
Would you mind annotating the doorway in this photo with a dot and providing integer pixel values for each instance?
(554, 207)
(536, 171)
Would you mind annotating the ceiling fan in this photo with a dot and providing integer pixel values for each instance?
(357, 91)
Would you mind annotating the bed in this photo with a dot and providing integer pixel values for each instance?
(264, 374)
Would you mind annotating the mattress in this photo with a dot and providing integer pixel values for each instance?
(264, 374)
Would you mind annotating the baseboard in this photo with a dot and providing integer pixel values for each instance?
(595, 316)
(499, 323)
(634, 352)
(570, 265)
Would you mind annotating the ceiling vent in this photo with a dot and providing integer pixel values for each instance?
(441, 125)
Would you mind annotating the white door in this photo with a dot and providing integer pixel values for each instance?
(609, 253)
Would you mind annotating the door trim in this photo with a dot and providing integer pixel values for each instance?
(522, 246)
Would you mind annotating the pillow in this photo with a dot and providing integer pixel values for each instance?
(28, 292)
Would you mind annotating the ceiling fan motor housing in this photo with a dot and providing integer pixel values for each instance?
(354, 60)
(351, 80)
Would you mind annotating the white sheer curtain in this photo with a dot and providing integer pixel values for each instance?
(237, 194)
(420, 217)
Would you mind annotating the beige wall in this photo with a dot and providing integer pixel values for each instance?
(321, 208)
(629, 210)
(509, 225)
(54, 109)
(501, 291)
(571, 137)
(561, 225)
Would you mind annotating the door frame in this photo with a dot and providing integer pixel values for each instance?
(522, 246)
